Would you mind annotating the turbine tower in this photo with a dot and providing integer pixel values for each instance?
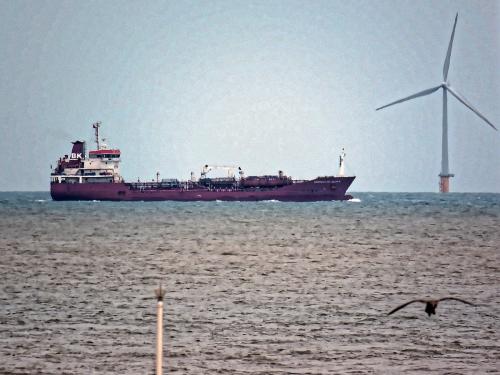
(444, 182)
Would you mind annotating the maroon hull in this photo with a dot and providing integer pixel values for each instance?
(320, 189)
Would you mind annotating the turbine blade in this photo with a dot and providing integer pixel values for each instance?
(468, 105)
(446, 65)
(421, 93)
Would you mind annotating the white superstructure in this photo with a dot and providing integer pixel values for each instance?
(101, 165)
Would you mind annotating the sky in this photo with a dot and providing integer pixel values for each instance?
(265, 85)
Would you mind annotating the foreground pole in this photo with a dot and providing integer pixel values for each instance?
(160, 293)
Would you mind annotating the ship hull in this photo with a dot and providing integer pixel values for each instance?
(321, 189)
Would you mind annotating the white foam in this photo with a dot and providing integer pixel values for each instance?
(355, 200)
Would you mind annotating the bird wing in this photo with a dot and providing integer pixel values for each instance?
(457, 299)
(406, 304)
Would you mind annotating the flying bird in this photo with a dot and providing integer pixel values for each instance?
(430, 304)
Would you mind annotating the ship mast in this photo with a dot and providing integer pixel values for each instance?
(341, 163)
(96, 126)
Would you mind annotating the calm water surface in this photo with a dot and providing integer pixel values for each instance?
(252, 288)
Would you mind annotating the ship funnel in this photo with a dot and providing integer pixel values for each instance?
(78, 150)
(341, 163)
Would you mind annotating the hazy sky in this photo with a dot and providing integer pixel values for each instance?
(266, 85)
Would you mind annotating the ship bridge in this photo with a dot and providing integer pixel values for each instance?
(104, 154)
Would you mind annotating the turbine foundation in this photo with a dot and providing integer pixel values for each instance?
(444, 183)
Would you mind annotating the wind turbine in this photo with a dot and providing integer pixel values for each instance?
(444, 183)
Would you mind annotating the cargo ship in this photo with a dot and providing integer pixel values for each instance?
(96, 176)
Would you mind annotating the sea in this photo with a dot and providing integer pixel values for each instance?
(251, 288)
